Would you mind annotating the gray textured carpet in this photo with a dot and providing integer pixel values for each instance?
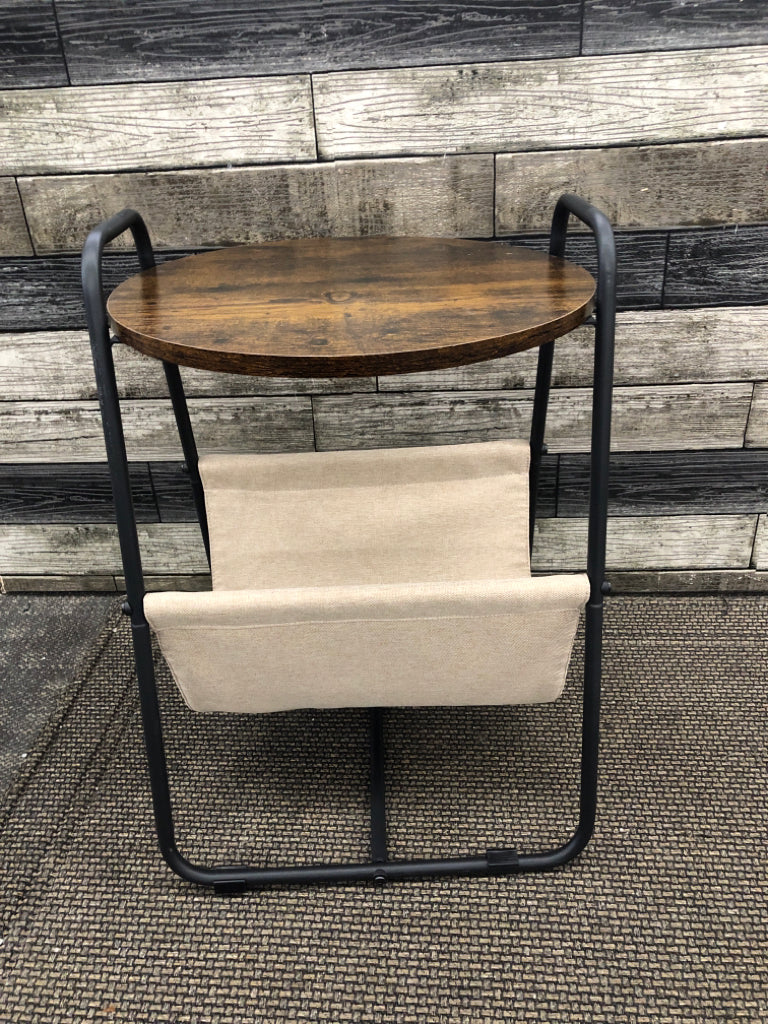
(663, 918)
(42, 639)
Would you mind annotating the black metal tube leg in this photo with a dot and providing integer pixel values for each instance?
(378, 805)
(188, 446)
(538, 427)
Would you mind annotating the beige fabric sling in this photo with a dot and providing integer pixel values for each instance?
(356, 579)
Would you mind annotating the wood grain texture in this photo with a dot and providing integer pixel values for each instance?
(649, 542)
(548, 104)
(14, 236)
(57, 365)
(347, 307)
(680, 346)
(640, 259)
(30, 51)
(615, 26)
(46, 294)
(669, 483)
(757, 428)
(676, 542)
(185, 209)
(714, 268)
(93, 549)
(180, 40)
(57, 584)
(691, 184)
(72, 431)
(143, 126)
(760, 550)
(70, 494)
(703, 416)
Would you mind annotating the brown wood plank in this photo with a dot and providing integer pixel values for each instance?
(327, 307)
(14, 236)
(142, 126)
(649, 542)
(690, 184)
(548, 104)
(177, 39)
(67, 431)
(652, 347)
(57, 365)
(450, 197)
(614, 26)
(700, 416)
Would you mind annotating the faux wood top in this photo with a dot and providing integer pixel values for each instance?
(330, 307)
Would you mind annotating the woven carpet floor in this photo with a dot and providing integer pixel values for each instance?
(663, 918)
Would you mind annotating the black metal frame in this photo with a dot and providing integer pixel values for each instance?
(380, 867)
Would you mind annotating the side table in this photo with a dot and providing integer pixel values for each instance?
(341, 308)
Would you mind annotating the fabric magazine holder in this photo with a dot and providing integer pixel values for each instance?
(367, 579)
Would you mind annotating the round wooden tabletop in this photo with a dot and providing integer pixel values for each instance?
(341, 307)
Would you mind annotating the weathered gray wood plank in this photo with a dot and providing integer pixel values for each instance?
(654, 347)
(69, 431)
(659, 542)
(138, 126)
(614, 26)
(757, 428)
(701, 416)
(30, 51)
(40, 583)
(70, 494)
(57, 365)
(93, 549)
(717, 268)
(549, 104)
(421, 196)
(177, 39)
(692, 581)
(669, 483)
(690, 184)
(649, 542)
(14, 236)
(760, 551)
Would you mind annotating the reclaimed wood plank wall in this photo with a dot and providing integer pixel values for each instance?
(230, 123)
